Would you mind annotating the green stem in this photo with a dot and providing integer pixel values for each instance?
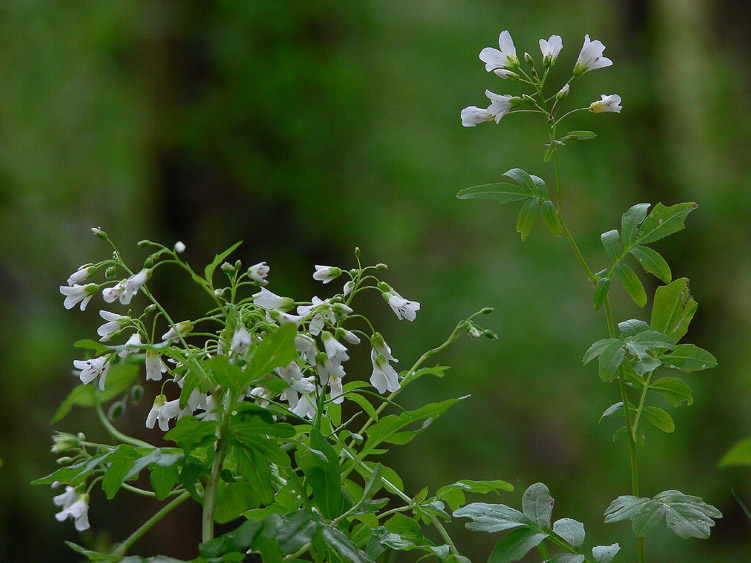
(210, 491)
(641, 401)
(135, 536)
(114, 432)
(543, 550)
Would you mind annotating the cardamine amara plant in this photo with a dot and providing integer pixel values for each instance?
(250, 400)
(639, 358)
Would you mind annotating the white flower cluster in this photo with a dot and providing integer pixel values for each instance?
(504, 63)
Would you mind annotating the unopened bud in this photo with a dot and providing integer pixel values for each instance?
(227, 267)
(179, 247)
(381, 266)
(529, 60)
(563, 92)
(357, 252)
(116, 410)
(64, 460)
(100, 233)
(529, 99)
(136, 392)
(110, 272)
(486, 310)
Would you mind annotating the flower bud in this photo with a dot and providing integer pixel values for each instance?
(63, 443)
(381, 266)
(116, 410)
(529, 60)
(357, 252)
(179, 247)
(136, 392)
(486, 310)
(227, 267)
(529, 99)
(100, 233)
(110, 272)
(563, 92)
(64, 460)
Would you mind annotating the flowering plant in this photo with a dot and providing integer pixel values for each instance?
(251, 396)
(635, 351)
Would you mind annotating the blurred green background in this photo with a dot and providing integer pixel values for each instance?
(307, 128)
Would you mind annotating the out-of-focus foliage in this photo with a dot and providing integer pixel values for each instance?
(306, 129)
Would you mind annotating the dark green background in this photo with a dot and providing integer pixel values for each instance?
(307, 128)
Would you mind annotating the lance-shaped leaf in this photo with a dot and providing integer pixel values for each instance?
(601, 292)
(663, 221)
(516, 545)
(610, 360)
(674, 390)
(660, 419)
(550, 218)
(527, 216)
(502, 192)
(579, 135)
(631, 283)
(275, 351)
(535, 184)
(739, 454)
(492, 517)
(321, 467)
(612, 243)
(537, 505)
(630, 222)
(652, 262)
(688, 358)
(673, 309)
(218, 259)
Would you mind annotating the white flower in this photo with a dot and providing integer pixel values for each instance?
(319, 319)
(179, 247)
(503, 61)
(306, 348)
(282, 317)
(115, 322)
(337, 393)
(609, 103)
(180, 329)
(290, 372)
(350, 337)
(550, 49)
(384, 377)
(473, 115)
(91, 369)
(74, 505)
(348, 287)
(154, 366)
(381, 348)
(269, 300)
(111, 293)
(164, 411)
(132, 285)
(240, 342)
(326, 273)
(401, 306)
(258, 272)
(500, 104)
(590, 57)
(78, 293)
(335, 350)
(306, 407)
(132, 346)
(83, 273)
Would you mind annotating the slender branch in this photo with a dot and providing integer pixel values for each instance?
(114, 432)
(210, 491)
(146, 526)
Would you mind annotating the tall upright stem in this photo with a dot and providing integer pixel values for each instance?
(210, 491)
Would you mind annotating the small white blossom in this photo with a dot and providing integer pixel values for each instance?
(500, 104)
(550, 49)
(75, 506)
(132, 285)
(348, 288)
(110, 294)
(240, 342)
(306, 348)
(180, 329)
(115, 322)
(381, 348)
(503, 61)
(384, 377)
(154, 366)
(335, 350)
(590, 57)
(306, 407)
(350, 337)
(282, 317)
(83, 273)
(268, 300)
(179, 247)
(403, 308)
(609, 103)
(132, 346)
(91, 369)
(78, 294)
(258, 272)
(326, 273)
(337, 393)
(163, 411)
(473, 115)
(319, 319)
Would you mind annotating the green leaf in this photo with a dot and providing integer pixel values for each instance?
(537, 504)
(550, 217)
(688, 358)
(570, 530)
(87, 344)
(190, 433)
(239, 539)
(364, 403)
(295, 532)
(277, 350)
(673, 309)
(119, 467)
(454, 494)
(502, 192)
(598, 348)
(324, 474)
(491, 517)
(610, 360)
(218, 259)
(660, 419)
(527, 217)
(234, 499)
(652, 262)
(630, 222)
(567, 558)
(119, 379)
(163, 479)
(343, 545)
(601, 292)
(615, 409)
(605, 553)
(404, 526)
(624, 508)
(191, 472)
(663, 221)
(227, 375)
(534, 184)
(631, 283)
(516, 545)
(674, 390)
(579, 135)
(612, 243)
(632, 327)
(739, 454)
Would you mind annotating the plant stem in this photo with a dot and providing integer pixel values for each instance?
(210, 491)
(135, 536)
(114, 432)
